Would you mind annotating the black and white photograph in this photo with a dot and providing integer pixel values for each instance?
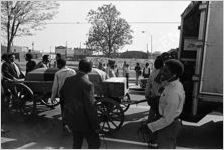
(119, 74)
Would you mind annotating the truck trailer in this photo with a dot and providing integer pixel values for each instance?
(201, 52)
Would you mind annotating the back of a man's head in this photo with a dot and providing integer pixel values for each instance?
(29, 56)
(85, 66)
(58, 56)
(61, 63)
(45, 58)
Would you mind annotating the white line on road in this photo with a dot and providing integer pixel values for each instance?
(125, 141)
(27, 145)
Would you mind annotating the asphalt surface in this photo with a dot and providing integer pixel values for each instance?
(45, 130)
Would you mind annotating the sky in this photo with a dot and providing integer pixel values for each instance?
(163, 35)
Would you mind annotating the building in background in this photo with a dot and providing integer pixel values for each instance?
(20, 52)
(80, 53)
(61, 50)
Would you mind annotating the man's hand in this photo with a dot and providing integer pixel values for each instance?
(146, 129)
(53, 100)
(145, 132)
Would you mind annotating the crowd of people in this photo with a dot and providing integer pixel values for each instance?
(164, 93)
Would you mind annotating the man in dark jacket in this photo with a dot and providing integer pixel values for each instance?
(10, 69)
(79, 109)
(30, 65)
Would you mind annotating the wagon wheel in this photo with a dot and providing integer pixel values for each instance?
(125, 102)
(21, 98)
(111, 115)
(46, 100)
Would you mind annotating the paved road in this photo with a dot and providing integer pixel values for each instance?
(45, 131)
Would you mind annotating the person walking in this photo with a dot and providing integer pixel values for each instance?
(59, 79)
(138, 72)
(170, 106)
(79, 109)
(146, 71)
(30, 65)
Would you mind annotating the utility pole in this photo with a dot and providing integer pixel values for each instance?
(66, 49)
(32, 46)
(147, 52)
(151, 47)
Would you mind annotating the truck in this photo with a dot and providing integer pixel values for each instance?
(201, 52)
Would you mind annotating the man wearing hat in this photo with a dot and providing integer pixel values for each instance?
(170, 106)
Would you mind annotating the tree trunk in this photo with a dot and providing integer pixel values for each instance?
(9, 46)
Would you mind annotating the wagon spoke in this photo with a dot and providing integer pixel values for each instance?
(108, 125)
(113, 122)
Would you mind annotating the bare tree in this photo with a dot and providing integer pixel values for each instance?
(22, 18)
(108, 32)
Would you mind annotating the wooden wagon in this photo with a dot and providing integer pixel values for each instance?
(112, 97)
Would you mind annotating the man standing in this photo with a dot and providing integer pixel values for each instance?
(80, 109)
(170, 106)
(138, 72)
(59, 80)
(58, 56)
(146, 71)
(30, 65)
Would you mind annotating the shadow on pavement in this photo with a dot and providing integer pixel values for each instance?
(209, 136)
(36, 132)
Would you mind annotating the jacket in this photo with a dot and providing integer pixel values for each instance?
(9, 71)
(79, 103)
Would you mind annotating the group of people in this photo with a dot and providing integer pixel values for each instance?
(164, 93)
(145, 72)
(12, 70)
(112, 70)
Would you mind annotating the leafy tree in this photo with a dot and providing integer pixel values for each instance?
(108, 32)
(22, 18)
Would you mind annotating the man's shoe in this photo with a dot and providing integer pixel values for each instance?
(153, 145)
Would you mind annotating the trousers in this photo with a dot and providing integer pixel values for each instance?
(166, 137)
(92, 138)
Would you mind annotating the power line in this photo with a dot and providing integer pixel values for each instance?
(140, 22)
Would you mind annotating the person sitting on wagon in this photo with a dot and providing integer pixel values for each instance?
(59, 80)
(30, 65)
(45, 63)
(10, 69)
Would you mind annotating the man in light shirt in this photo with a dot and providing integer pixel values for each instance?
(59, 80)
(170, 106)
